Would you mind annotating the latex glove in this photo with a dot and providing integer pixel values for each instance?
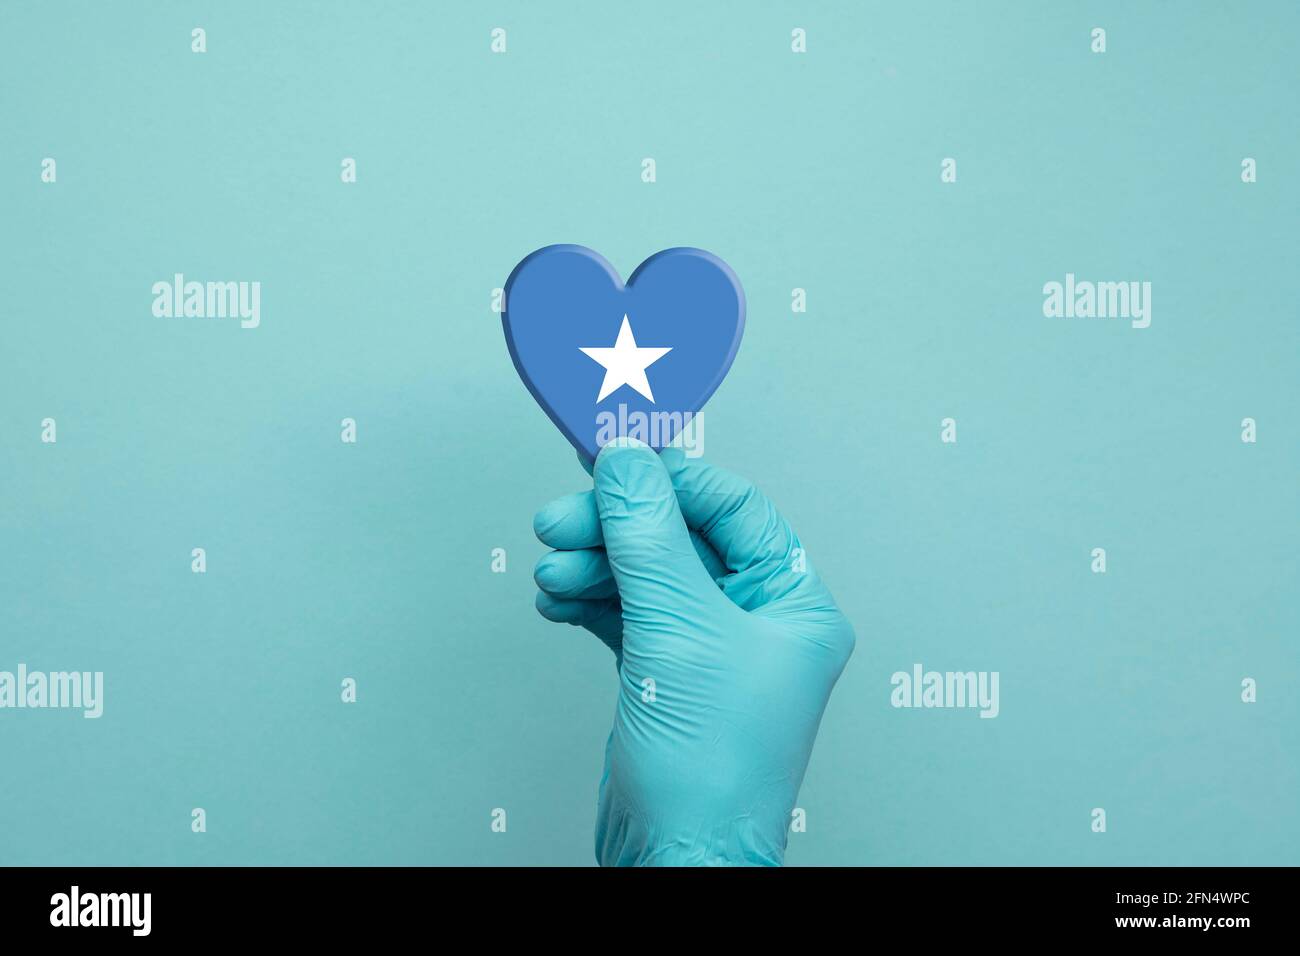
(727, 646)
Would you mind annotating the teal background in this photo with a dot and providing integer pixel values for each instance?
(819, 171)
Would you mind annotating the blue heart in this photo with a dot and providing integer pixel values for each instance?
(564, 314)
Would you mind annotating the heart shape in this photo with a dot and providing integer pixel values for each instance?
(607, 359)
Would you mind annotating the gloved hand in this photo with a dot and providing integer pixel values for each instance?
(727, 648)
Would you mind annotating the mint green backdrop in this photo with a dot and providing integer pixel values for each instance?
(818, 171)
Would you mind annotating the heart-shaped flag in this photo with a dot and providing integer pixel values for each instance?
(608, 359)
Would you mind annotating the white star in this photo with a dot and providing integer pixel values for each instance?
(625, 363)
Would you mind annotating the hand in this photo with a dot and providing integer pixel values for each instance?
(727, 646)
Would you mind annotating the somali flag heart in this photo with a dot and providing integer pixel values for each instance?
(606, 358)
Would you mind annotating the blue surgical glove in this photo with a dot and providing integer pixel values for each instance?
(727, 645)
